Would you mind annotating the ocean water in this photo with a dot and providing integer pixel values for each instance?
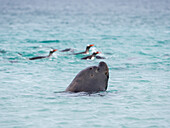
(133, 36)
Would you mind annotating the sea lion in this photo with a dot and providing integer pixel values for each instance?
(91, 79)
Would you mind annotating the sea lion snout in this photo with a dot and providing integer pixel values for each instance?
(103, 67)
(102, 64)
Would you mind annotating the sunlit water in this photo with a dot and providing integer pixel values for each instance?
(133, 35)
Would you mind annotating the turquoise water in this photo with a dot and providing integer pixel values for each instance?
(133, 35)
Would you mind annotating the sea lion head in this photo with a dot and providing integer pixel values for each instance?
(91, 79)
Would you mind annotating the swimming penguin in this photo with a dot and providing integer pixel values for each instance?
(66, 50)
(41, 57)
(91, 57)
(86, 51)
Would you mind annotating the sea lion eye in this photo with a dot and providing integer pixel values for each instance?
(90, 68)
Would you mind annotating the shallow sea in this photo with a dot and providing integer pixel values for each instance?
(133, 35)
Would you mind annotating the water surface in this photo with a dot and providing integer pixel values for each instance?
(133, 35)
